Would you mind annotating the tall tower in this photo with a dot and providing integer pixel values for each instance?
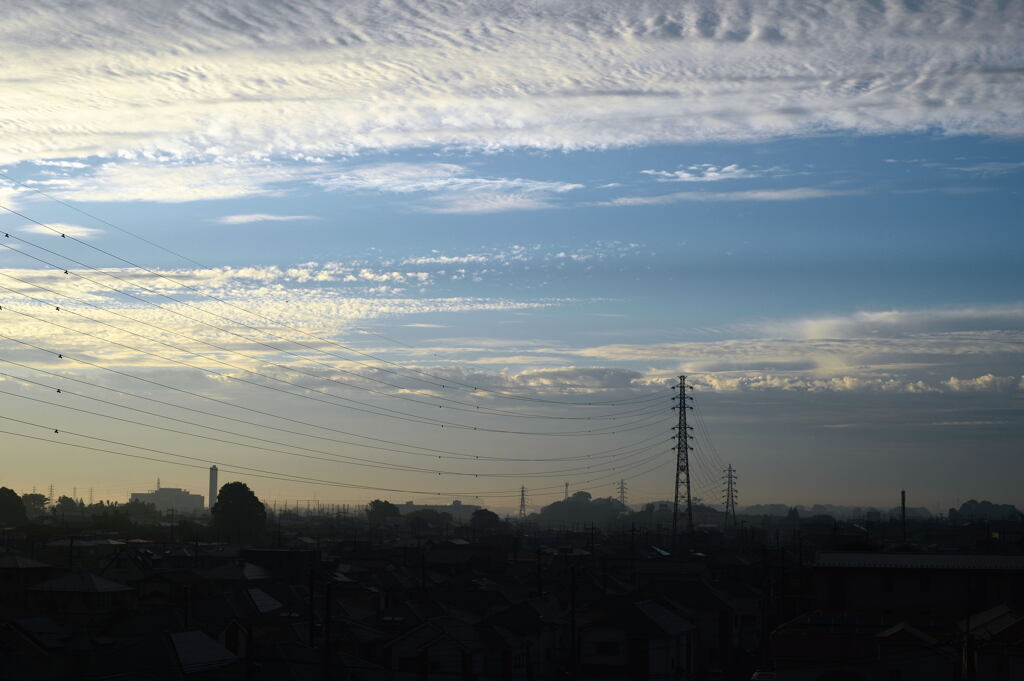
(522, 502)
(903, 513)
(566, 497)
(622, 492)
(730, 496)
(683, 438)
(212, 499)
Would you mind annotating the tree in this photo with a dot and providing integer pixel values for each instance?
(12, 509)
(35, 504)
(379, 511)
(66, 505)
(485, 522)
(238, 511)
(426, 519)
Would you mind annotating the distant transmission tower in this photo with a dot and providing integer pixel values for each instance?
(566, 498)
(622, 492)
(683, 438)
(49, 496)
(522, 502)
(730, 495)
(90, 496)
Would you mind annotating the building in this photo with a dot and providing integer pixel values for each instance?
(171, 499)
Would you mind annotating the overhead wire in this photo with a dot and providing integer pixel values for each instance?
(444, 382)
(336, 458)
(317, 377)
(228, 403)
(369, 409)
(287, 477)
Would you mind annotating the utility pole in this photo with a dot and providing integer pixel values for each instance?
(730, 496)
(683, 438)
(622, 492)
(522, 503)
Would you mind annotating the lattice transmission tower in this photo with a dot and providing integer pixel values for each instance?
(683, 447)
(730, 495)
(522, 502)
(622, 492)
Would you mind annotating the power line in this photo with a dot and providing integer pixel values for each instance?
(444, 382)
(257, 472)
(366, 408)
(438, 452)
(339, 458)
(476, 409)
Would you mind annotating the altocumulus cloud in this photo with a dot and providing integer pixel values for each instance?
(256, 79)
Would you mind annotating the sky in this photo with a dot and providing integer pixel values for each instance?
(450, 250)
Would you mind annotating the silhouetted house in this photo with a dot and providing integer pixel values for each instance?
(915, 585)
(288, 564)
(17, 573)
(82, 598)
(619, 639)
(442, 647)
(997, 641)
(198, 654)
(814, 645)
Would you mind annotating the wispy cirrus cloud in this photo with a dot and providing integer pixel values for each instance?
(451, 188)
(255, 79)
(705, 172)
(174, 182)
(248, 218)
(432, 177)
(794, 194)
(53, 228)
(487, 202)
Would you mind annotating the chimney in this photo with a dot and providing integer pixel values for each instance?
(212, 499)
(903, 512)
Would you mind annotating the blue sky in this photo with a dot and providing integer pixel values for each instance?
(812, 211)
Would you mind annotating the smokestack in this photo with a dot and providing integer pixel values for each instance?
(212, 499)
(903, 512)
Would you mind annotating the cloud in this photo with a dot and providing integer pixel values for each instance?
(70, 230)
(990, 168)
(432, 177)
(174, 182)
(453, 189)
(258, 79)
(704, 172)
(983, 384)
(262, 217)
(795, 194)
(487, 202)
(901, 323)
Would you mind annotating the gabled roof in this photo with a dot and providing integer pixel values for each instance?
(918, 561)
(264, 602)
(14, 561)
(80, 582)
(234, 572)
(197, 652)
(992, 623)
